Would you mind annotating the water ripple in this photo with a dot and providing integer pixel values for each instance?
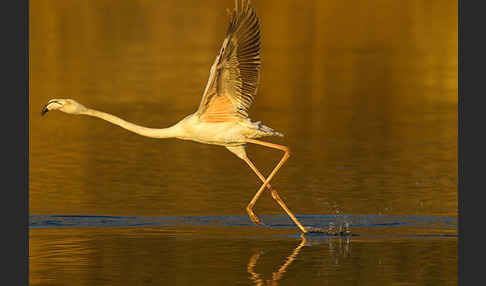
(274, 221)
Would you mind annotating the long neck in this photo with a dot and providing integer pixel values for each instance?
(170, 132)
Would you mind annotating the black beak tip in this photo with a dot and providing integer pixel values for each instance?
(44, 111)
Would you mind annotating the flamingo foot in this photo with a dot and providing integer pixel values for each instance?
(254, 218)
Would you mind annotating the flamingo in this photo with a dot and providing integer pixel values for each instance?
(222, 116)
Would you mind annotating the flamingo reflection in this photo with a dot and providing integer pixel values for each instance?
(337, 247)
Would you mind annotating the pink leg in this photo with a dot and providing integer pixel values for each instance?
(249, 208)
(266, 182)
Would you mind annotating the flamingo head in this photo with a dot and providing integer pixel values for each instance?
(69, 106)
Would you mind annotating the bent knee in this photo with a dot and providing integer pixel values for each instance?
(288, 151)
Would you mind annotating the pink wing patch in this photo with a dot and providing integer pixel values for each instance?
(220, 109)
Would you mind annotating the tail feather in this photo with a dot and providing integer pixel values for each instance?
(267, 130)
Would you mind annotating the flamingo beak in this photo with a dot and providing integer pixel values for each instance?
(44, 110)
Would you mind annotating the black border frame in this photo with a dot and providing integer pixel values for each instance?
(14, 210)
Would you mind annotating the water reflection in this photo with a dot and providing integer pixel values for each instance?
(339, 248)
(257, 278)
(205, 255)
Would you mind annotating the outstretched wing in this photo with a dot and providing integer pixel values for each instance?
(235, 74)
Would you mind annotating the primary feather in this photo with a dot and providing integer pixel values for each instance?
(235, 74)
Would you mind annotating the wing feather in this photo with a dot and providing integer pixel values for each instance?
(235, 73)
